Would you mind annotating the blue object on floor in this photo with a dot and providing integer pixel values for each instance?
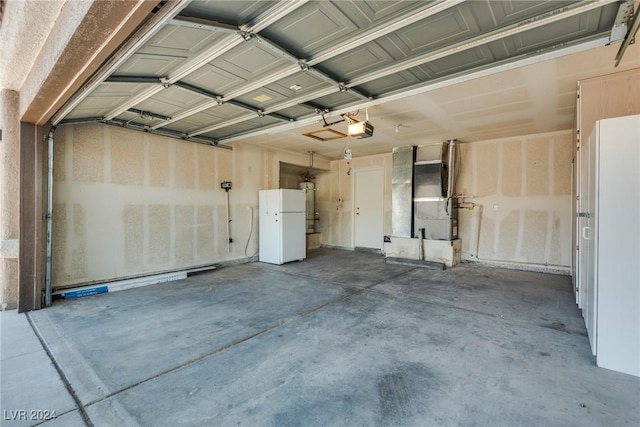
(85, 292)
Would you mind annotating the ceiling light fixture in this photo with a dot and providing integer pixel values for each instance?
(261, 98)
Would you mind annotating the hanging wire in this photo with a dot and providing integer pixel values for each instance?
(347, 151)
(249, 238)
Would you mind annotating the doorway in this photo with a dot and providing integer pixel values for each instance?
(368, 208)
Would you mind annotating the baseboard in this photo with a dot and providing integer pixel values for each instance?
(538, 268)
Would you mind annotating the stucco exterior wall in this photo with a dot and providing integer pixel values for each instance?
(522, 187)
(9, 199)
(128, 203)
(25, 28)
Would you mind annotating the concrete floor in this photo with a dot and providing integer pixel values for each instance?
(339, 339)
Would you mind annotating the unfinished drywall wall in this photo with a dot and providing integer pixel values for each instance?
(522, 188)
(129, 203)
(290, 176)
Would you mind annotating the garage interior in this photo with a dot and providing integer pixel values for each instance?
(147, 169)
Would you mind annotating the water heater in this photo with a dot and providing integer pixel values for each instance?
(310, 205)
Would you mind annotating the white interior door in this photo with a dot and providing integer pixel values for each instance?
(369, 208)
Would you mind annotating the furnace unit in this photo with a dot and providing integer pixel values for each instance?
(424, 215)
(435, 210)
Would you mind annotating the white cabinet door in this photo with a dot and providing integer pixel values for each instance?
(588, 239)
(618, 245)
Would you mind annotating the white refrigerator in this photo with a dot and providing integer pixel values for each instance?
(282, 226)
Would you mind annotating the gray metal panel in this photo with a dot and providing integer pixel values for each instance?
(361, 60)
(150, 65)
(466, 60)
(282, 89)
(105, 97)
(501, 13)
(402, 191)
(213, 78)
(279, 91)
(236, 12)
(167, 50)
(298, 112)
(571, 28)
(250, 60)
(438, 222)
(395, 81)
(319, 26)
(337, 100)
(244, 127)
(175, 40)
(428, 180)
(312, 28)
(435, 32)
(171, 101)
(211, 116)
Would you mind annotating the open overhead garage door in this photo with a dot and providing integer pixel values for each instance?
(215, 71)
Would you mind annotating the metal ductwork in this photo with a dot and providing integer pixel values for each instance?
(423, 191)
(402, 191)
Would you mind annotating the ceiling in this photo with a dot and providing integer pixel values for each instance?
(267, 71)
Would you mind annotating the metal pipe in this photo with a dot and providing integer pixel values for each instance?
(451, 173)
(479, 225)
(49, 214)
(451, 160)
(49, 217)
(228, 225)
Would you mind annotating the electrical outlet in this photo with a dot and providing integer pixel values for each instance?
(495, 207)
